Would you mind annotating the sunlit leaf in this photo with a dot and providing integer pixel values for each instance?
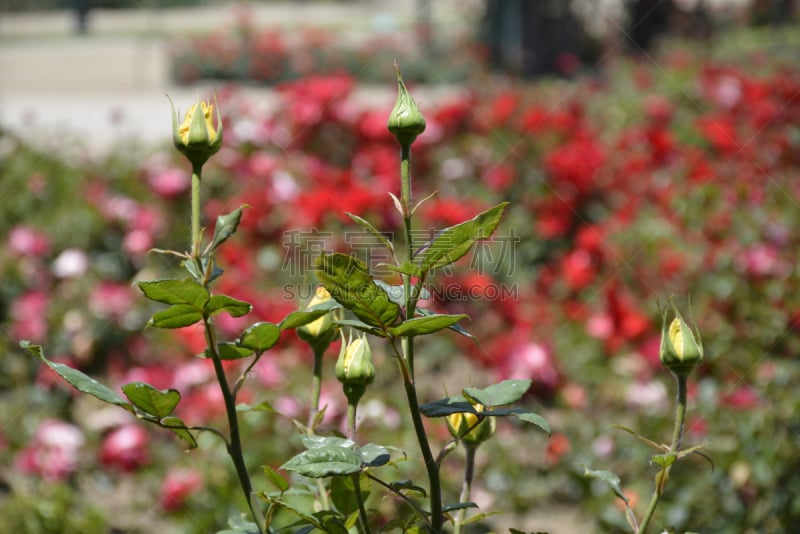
(159, 403)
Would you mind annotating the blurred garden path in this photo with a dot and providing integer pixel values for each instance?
(109, 85)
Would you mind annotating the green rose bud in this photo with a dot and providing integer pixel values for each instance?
(354, 365)
(681, 347)
(197, 137)
(462, 425)
(406, 121)
(320, 330)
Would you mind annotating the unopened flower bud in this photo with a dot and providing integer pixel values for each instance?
(321, 329)
(681, 347)
(462, 425)
(354, 365)
(197, 137)
(406, 121)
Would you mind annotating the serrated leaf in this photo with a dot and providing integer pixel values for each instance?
(176, 316)
(454, 242)
(159, 403)
(325, 461)
(260, 337)
(366, 225)
(231, 351)
(349, 282)
(447, 406)
(178, 427)
(506, 392)
(302, 317)
(275, 478)
(77, 379)
(429, 324)
(234, 307)
(609, 478)
(374, 455)
(226, 226)
(173, 291)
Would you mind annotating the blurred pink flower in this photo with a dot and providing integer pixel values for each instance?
(169, 183)
(126, 448)
(53, 451)
(29, 316)
(178, 485)
(111, 299)
(26, 241)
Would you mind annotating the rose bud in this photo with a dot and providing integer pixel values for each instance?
(197, 137)
(321, 330)
(354, 368)
(406, 121)
(681, 347)
(465, 426)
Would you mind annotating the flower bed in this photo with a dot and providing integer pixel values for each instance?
(655, 180)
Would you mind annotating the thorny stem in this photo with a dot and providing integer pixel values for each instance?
(407, 356)
(466, 488)
(674, 448)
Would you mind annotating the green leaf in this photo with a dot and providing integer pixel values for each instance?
(447, 406)
(479, 517)
(609, 478)
(260, 337)
(657, 446)
(366, 225)
(425, 325)
(349, 282)
(230, 351)
(300, 318)
(226, 226)
(176, 316)
(538, 420)
(172, 291)
(343, 493)
(275, 478)
(150, 400)
(374, 455)
(405, 268)
(313, 441)
(407, 485)
(179, 428)
(77, 379)
(505, 392)
(263, 406)
(454, 242)
(325, 461)
(234, 307)
(664, 460)
(458, 506)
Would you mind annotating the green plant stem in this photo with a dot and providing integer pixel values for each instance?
(352, 408)
(234, 446)
(674, 448)
(316, 384)
(431, 466)
(466, 488)
(196, 237)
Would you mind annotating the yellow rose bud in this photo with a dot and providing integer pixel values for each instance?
(462, 425)
(406, 121)
(354, 366)
(681, 347)
(197, 137)
(323, 327)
